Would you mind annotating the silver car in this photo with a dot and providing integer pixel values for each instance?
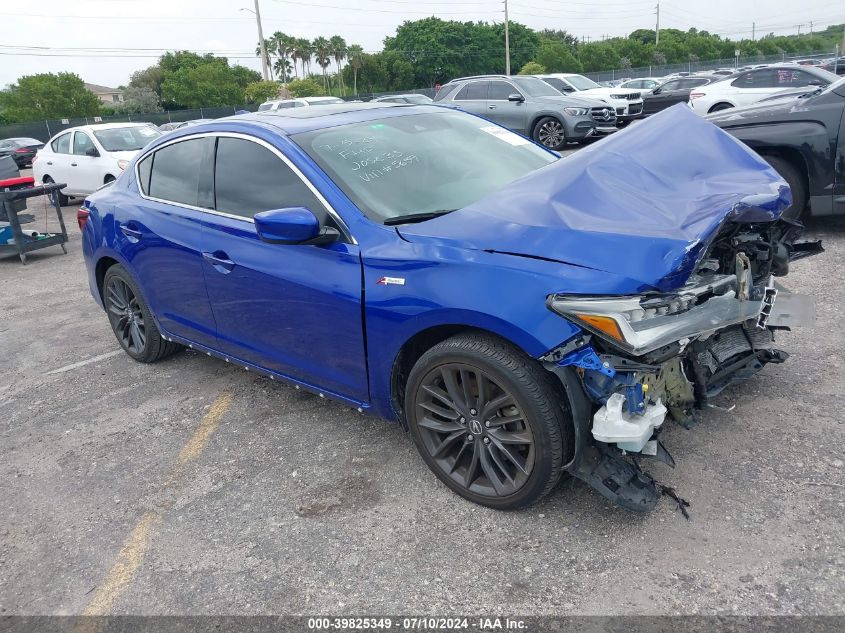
(531, 107)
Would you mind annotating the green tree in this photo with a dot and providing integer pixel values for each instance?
(338, 50)
(268, 56)
(355, 54)
(532, 68)
(322, 55)
(47, 96)
(137, 100)
(557, 57)
(208, 82)
(306, 88)
(261, 91)
(149, 78)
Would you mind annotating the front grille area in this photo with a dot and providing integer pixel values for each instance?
(603, 115)
(635, 108)
(630, 96)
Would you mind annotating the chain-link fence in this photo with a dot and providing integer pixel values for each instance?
(701, 66)
(44, 130)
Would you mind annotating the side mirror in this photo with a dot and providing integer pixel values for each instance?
(295, 225)
(815, 82)
(568, 89)
(516, 97)
(92, 152)
(656, 91)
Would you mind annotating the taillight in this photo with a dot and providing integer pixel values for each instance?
(21, 150)
(82, 217)
(695, 95)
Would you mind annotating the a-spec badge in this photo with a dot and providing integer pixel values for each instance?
(397, 281)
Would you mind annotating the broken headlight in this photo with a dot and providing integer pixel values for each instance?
(640, 324)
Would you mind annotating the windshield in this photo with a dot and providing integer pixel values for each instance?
(581, 82)
(534, 87)
(124, 139)
(422, 163)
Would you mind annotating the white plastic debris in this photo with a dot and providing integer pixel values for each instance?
(630, 432)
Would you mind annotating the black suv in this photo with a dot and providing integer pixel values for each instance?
(803, 138)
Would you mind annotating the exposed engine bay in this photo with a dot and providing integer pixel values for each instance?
(657, 357)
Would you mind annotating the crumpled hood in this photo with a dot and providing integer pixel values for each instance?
(644, 203)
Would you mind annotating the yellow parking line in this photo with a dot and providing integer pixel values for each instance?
(129, 558)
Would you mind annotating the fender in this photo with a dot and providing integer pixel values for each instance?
(809, 139)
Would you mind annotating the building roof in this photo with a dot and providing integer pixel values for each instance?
(101, 89)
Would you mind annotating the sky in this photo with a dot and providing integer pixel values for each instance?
(104, 41)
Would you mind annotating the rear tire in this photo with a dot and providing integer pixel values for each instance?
(63, 199)
(550, 133)
(488, 421)
(131, 320)
(795, 179)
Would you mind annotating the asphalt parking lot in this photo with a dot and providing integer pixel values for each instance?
(194, 487)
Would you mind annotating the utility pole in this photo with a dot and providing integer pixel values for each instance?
(507, 42)
(811, 28)
(265, 72)
(799, 29)
(753, 31)
(657, 27)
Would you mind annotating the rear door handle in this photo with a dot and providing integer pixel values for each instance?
(220, 261)
(132, 234)
(73, 164)
(491, 107)
(49, 162)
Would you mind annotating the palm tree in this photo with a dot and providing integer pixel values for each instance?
(337, 47)
(302, 50)
(322, 55)
(269, 46)
(282, 45)
(282, 67)
(355, 55)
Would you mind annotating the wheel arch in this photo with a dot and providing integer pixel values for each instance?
(417, 345)
(719, 102)
(537, 117)
(795, 158)
(102, 265)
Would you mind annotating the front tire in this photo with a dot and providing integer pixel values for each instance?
(550, 133)
(131, 320)
(488, 421)
(62, 198)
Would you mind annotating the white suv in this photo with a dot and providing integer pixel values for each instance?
(89, 156)
(283, 104)
(627, 103)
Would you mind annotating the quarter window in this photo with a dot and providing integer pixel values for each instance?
(473, 91)
(249, 178)
(145, 167)
(175, 172)
(62, 144)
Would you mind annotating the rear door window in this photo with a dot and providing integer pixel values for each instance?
(175, 172)
(249, 178)
(501, 90)
(473, 91)
(62, 144)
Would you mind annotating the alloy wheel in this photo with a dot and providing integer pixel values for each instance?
(126, 316)
(474, 430)
(551, 134)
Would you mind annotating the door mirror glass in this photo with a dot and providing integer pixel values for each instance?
(516, 97)
(656, 91)
(92, 152)
(295, 225)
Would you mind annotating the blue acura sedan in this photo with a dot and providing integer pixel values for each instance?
(521, 315)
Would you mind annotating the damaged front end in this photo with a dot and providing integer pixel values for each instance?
(644, 359)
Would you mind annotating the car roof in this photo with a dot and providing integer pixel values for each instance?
(103, 126)
(298, 120)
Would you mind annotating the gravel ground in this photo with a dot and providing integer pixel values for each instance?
(126, 490)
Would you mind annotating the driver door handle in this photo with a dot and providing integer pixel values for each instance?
(491, 107)
(73, 164)
(220, 261)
